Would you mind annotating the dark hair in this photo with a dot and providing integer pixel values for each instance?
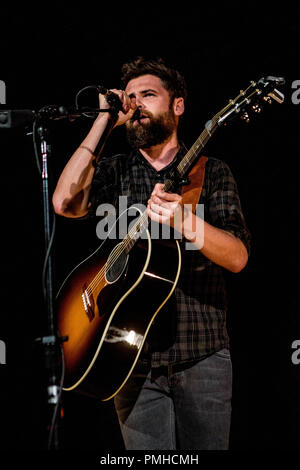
(172, 80)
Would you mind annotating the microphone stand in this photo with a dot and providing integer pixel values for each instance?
(53, 351)
(51, 342)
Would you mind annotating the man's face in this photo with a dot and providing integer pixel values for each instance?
(156, 121)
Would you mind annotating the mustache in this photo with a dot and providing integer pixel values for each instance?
(138, 114)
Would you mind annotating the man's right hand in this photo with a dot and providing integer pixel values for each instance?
(128, 106)
(71, 195)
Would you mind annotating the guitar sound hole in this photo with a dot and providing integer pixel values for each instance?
(116, 263)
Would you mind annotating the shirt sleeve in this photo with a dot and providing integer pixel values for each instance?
(223, 203)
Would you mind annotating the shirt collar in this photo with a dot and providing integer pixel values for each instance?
(138, 158)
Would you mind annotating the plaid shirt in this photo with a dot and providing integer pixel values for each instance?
(192, 324)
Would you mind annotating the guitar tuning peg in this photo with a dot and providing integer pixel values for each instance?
(268, 99)
(256, 108)
(245, 117)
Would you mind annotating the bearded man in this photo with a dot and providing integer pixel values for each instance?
(179, 394)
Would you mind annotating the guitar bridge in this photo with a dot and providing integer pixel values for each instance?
(88, 303)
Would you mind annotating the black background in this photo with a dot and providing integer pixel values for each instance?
(47, 56)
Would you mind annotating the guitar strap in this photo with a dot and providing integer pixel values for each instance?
(191, 192)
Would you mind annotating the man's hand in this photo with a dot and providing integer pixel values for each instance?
(128, 106)
(165, 208)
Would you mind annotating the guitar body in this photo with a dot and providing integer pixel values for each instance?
(106, 306)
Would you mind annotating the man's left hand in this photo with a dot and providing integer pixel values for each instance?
(165, 208)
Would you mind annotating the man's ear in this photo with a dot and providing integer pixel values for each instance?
(178, 106)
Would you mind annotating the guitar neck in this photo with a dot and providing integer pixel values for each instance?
(196, 148)
(194, 152)
(134, 233)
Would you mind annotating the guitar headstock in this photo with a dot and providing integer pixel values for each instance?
(252, 99)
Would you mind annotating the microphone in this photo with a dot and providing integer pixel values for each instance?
(111, 97)
(136, 114)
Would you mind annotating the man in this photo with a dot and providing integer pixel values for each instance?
(179, 395)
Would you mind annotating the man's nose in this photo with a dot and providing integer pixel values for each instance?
(139, 102)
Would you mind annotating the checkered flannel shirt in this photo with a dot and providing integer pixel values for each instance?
(192, 323)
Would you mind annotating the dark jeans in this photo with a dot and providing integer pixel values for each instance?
(178, 407)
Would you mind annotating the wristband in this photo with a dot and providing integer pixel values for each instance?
(88, 149)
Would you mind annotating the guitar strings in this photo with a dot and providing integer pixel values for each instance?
(119, 251)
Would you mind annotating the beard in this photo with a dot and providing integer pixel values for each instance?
(154, 132)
